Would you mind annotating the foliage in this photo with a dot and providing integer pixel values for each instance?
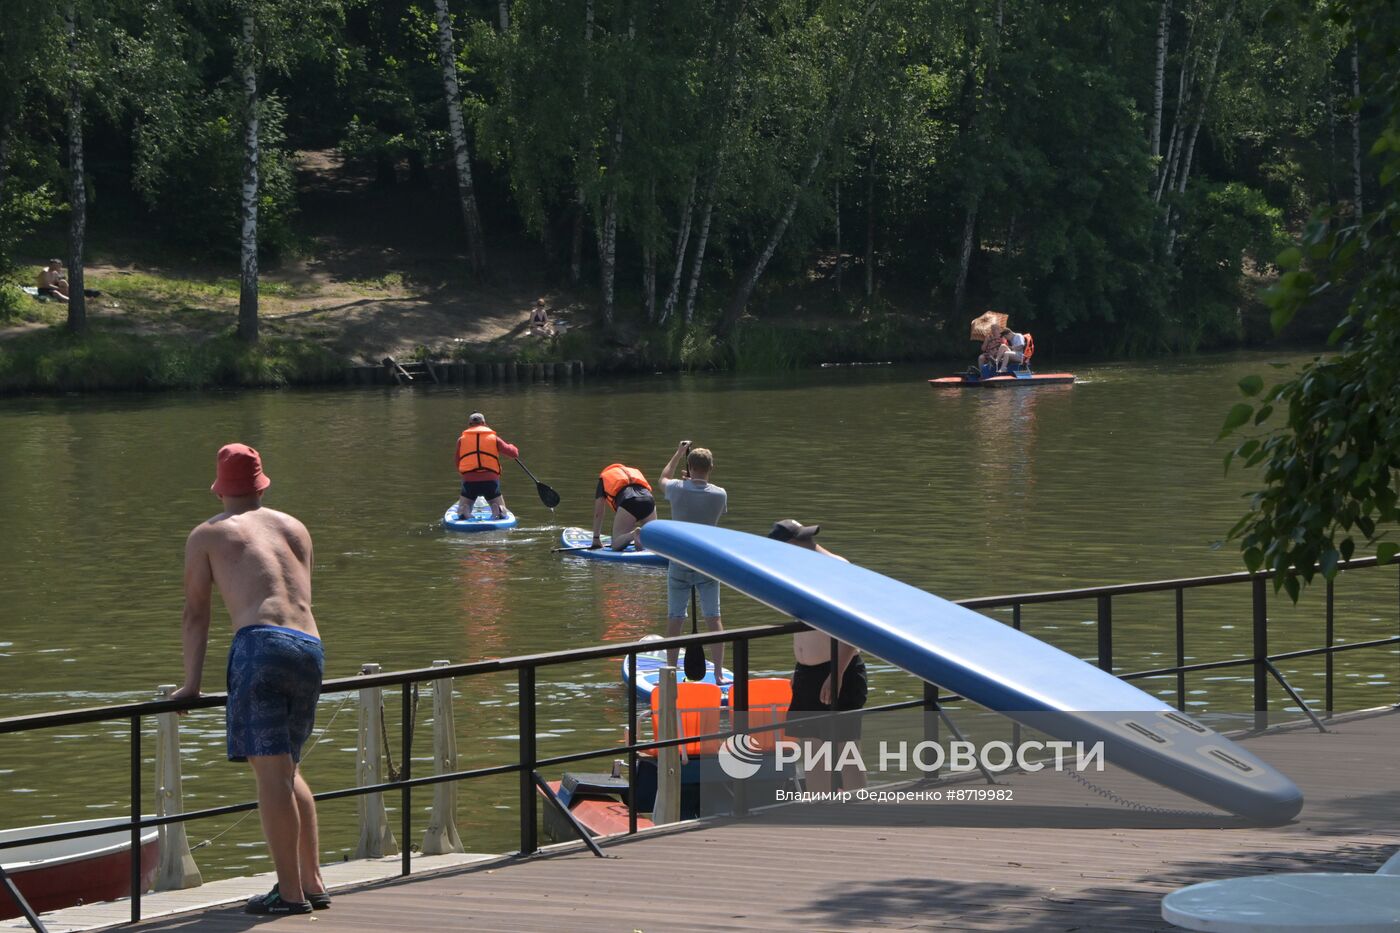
(55, 359)
(1330, 467)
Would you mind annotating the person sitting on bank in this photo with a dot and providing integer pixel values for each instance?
(627, 492)
(1015, 353)
(695, 499)
(51, 281)
(812, 684)
(479, 452)
(539, 320)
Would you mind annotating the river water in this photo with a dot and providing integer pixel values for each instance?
(965, 493)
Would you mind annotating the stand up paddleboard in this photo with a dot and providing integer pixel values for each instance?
(989, 663)
(649, 664)
(579, 539)
(479, 520)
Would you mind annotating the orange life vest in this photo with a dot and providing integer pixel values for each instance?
(1030, 348)
(617, 477)
(476, 450)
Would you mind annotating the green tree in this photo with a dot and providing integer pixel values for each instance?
(1330, 466)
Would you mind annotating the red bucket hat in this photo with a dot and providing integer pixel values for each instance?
(240, 472)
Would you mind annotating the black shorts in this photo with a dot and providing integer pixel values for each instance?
(637, 501)
(807, 680)
(487, 489)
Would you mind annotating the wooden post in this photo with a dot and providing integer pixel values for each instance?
(376, 839)
(441, 835)
(668, 760)
(498, 372)
(177, 866)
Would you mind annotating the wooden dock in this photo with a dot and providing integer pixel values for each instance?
(868, 866)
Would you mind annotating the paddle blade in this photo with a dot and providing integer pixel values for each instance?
(695, 663)
(548, 496)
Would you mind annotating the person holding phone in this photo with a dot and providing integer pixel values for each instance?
(693, 498)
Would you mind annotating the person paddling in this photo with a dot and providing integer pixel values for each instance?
(479, 452)
(261, 562)
(627, 492)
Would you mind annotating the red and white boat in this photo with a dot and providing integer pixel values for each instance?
(52, 875)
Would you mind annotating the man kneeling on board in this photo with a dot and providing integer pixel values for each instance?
(261, 562)
(479, 451)
(627, 492)
(812, 686)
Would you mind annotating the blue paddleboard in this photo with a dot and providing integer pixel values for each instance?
(649, 664)
(989, 663)
(479, 520)
(582, 537)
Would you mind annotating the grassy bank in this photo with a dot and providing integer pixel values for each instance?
(51, 360)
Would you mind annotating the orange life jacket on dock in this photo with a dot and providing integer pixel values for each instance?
(617, 477)
(476, 450)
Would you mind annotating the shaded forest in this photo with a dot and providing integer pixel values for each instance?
(1116, 177)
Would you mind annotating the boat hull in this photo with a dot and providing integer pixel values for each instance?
(52, 876)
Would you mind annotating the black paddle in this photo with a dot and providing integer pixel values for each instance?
(548, 496)
(694, 654)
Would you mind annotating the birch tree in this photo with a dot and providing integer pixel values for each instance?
(1158, 74)
(77, 182)
(461, 155)
(248, 194)
(842, 96)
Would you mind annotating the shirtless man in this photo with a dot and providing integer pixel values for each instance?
(51, 282)
(261, 562)
(813, 687)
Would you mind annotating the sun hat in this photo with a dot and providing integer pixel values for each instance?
(240, 472)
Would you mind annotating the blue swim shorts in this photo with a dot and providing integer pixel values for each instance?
(274, 680)
(679, 580)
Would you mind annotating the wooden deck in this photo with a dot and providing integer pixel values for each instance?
(884, 867)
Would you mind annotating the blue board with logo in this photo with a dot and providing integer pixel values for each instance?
(989, 663)
(479, 520)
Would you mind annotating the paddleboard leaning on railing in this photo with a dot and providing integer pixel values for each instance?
(988, 663)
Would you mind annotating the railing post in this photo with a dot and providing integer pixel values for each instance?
(376, 839)
(632, 743)
(932, 726)
(441, 835)
(136, 819)
(739, 711)
(1105, 629)
(529, 814)
(1016, 726)
(1181, 648)
(1327, 658)
(1261, 654)
(405, 774)
(177, 866)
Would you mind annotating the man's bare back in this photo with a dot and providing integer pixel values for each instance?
(261, 561)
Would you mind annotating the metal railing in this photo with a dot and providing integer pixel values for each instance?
(528, 765)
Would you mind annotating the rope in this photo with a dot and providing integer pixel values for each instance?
(396, 773)
(1133, 804)
(305, 755)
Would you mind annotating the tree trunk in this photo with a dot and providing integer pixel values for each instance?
(1163, 34)
(504, 9)
(870, 226)
(461, 156)
(735, 309)
(1190, 150)
(692, 291)
(965, 253)
(649, 279)
(682, 242)
(580, 200)
(77, 228)
(1358, 203)
(837, 199)
(4, 151)
(248, 274)
(1184, 82)
(1332, 193)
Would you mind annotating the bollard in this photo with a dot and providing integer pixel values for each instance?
(376, 839)
(441, 835)
(667, 808)
(177, 866)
